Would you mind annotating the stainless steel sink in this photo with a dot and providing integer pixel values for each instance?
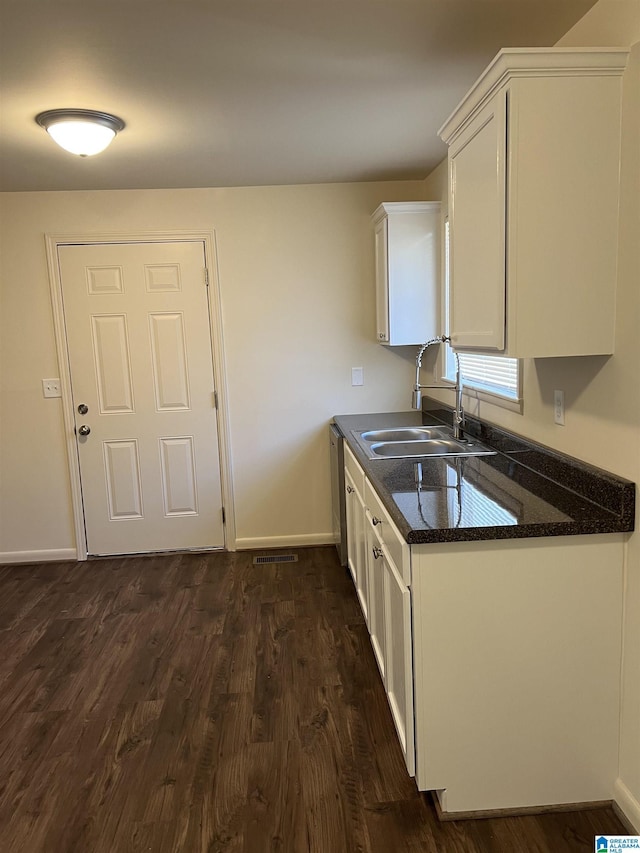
(407, 434)
(415, 442)
(432, 447)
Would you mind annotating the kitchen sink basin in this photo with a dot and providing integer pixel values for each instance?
(407, 434)
(430, 447)
(416, 442)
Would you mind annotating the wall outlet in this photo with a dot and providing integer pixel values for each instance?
(357, 376)
(558, 407)
(51, 388)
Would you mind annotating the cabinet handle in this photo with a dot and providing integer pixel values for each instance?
(349, 489)
(376, 521)
(377, 552)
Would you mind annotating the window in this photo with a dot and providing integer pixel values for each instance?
(487, 374)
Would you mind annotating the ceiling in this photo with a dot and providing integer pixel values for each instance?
(250, 92)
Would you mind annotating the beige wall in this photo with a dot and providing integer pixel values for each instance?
(617, 22)
(296, 277)
(602, 395)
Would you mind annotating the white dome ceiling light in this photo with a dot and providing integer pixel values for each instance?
(82, 132)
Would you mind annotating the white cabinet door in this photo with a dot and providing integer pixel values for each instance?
(477, 241)
(356, 542)
(350, 507)
(382, 282)
(385, 600)
(534, 170)
(399, 660)
(407, 255)
(376, 572)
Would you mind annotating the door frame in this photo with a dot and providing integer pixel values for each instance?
(208, 238)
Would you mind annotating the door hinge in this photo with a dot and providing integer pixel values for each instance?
(206, 277)
(224, 516)
(215, 399)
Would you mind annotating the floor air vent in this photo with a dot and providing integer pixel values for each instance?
(276, 558)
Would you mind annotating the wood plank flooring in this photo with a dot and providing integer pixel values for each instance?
(199, 703)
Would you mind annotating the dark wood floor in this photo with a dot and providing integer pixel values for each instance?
(199, 703)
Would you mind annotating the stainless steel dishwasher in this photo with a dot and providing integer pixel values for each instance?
(338, 501)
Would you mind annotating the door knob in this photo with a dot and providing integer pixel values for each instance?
(83, 408)
(84, 430)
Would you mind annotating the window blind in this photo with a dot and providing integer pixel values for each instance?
(495, 374)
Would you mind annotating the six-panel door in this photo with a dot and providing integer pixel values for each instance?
(139, 344)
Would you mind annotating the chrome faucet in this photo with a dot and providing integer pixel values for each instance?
(416, 401)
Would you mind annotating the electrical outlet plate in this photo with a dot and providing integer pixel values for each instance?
(558, 407)
(357, 376)
(51, 388)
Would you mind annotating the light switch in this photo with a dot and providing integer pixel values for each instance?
(357, 376)
(51, 388)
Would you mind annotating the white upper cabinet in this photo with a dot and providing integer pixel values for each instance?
(534, 153)
(407, 246)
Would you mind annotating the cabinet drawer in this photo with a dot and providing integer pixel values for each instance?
(352, 466)
(388, 533)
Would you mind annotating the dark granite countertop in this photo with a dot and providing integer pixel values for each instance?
(523, 490)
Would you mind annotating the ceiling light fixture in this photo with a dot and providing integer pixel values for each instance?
(82, 132)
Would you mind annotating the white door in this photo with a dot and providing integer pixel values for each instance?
(139, 344)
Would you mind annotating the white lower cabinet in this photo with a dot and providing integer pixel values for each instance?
(517, 647)
(500, 659)
(390, 617)
(375, 573)
(379, 561)
(399, 658)
(356, 543)
(391, 639)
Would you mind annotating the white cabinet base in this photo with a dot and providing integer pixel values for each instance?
(517, 649)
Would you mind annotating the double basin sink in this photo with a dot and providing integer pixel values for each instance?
(409, 442)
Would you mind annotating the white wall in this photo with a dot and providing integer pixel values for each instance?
(615, 401)
(602, 395)
(296, 276)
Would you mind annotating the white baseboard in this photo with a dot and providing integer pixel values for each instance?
(627, 803)
(56, 555)
(297, 541)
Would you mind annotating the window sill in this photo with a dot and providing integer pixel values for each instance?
(494, 399)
